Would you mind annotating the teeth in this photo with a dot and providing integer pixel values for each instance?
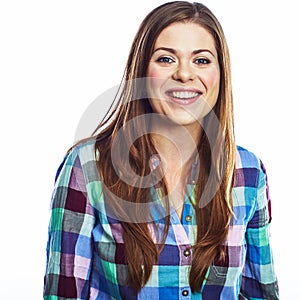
(184, 94)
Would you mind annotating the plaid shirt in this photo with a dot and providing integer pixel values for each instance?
(85, 249)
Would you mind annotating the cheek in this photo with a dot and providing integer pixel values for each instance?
(153, 72)
(152, 82)
(212, 79)
(153, 86)
(155, 82)
(158, 72)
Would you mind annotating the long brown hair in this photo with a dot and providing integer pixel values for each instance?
(114, 137)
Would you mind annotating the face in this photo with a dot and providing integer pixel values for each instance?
(183, 73)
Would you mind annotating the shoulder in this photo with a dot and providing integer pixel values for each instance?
(249, 168)
(78, 156)
(85, 150)
(246, 158)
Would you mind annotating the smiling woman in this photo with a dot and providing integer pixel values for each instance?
(160, 203)
(187, 69)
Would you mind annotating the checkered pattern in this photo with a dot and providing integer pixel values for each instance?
(85, 250)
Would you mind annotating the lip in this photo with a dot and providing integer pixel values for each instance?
(183, 96)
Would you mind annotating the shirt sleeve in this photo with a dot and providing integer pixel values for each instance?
(259, 280)
(69, 246)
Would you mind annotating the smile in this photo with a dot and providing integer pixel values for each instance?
(183, 97)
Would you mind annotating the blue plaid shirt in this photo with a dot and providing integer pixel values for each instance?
(85, 250)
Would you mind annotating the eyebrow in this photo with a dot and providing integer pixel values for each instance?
(171, 50)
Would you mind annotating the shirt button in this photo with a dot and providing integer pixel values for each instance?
(186, 252)
(188, 218)
(185, 293)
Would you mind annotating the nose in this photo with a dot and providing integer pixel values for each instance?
(184, 72)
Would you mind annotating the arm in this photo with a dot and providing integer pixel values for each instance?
(69, 247)
(259, 279)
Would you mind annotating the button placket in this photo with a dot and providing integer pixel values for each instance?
(186, 254)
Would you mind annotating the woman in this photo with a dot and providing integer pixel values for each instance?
(160, 203)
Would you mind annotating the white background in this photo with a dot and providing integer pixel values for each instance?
(57, 57)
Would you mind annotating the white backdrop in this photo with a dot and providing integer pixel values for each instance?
(57, 57)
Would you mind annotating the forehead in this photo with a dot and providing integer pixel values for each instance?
(185, 35)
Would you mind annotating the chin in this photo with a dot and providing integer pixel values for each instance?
(185, 121)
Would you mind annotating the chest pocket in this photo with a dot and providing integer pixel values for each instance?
(105, 243)
(231, 256)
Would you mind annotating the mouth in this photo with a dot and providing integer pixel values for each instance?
(183, 96)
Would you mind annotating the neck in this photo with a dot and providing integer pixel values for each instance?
(176, 146)
(175, 143)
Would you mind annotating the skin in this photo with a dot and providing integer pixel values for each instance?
(183, 86)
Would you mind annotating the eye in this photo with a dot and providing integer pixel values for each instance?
(202, 61)
(165, 59)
